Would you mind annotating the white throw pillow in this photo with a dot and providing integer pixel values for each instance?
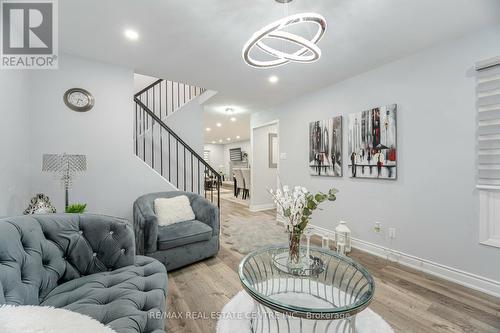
(173, 210)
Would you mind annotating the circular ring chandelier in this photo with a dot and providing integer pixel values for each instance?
(309, 51)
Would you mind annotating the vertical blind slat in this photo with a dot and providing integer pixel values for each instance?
(488, 100)
(488, 85)
(489, 129)
(489, 159)
(489, 115)
(489, 173)
(489, 144)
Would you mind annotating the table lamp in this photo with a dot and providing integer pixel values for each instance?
(67, 166)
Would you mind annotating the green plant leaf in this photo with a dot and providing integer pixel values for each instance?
(307, 212)
(319, 197)
(76, 208)
(303, 224)
(333, 191)
(312, 205)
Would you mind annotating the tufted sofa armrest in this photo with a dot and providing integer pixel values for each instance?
(2, 294)
(145, 225)
(206, 212)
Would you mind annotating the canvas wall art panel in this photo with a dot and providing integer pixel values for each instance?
(372, 144)
(325, 147)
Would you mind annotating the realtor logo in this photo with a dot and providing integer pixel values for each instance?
(29, 34)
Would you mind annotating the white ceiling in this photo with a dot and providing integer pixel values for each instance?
(199, 41)
(228, 129)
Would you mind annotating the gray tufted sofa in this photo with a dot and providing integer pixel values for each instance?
(178, 244)
(84, 263)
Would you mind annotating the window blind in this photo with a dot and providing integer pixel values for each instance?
(488, 120)
(235, 154)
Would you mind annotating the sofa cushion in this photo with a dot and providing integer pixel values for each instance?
(178, 234)
(128, 299)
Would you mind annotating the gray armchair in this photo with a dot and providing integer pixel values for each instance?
(178, 244)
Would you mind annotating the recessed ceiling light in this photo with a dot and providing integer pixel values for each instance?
(213, 142)
(219, 124)
(131, 34)
(273, 79)
(229, 110)
(233, 119)
(220, 140)
(208, 129)
(228, 139)
(237, 137)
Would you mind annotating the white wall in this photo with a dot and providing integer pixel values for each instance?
(219, 155)
(187, 122)
(245, 148)
(14, 143)
(434, 203)
(263, 177)
(115, 177)
(142, 81)
(216, 156)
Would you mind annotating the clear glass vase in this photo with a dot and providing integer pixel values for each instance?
(294, 247)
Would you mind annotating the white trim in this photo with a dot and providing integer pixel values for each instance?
(491, 242)
(488, 63)
(489, 218)
(463, 278)
(273, 122)
(260, 208)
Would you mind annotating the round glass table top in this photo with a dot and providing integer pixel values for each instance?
(337, 287)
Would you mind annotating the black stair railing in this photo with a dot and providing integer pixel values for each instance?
(162, 149)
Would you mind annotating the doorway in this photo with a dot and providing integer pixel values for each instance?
(265, 170)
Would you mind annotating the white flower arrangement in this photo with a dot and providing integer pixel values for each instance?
(290, 204)
(297, 205)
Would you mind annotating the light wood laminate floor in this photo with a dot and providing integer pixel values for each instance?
(410, 301)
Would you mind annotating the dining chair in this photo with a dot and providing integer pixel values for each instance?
(247, 183)
(240, 183)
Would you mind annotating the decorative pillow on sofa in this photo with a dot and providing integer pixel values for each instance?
(173, 210)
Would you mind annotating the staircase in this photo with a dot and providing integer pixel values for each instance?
(162, 149)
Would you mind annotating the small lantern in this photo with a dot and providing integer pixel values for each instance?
(343, 237)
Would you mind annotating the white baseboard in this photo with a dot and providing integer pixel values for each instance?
(260, 208)
(473, 281)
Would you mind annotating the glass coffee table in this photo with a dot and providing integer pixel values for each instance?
(324, 299)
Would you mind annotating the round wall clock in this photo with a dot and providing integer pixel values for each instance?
(78, 99)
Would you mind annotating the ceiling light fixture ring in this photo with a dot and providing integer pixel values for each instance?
(309, 52)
